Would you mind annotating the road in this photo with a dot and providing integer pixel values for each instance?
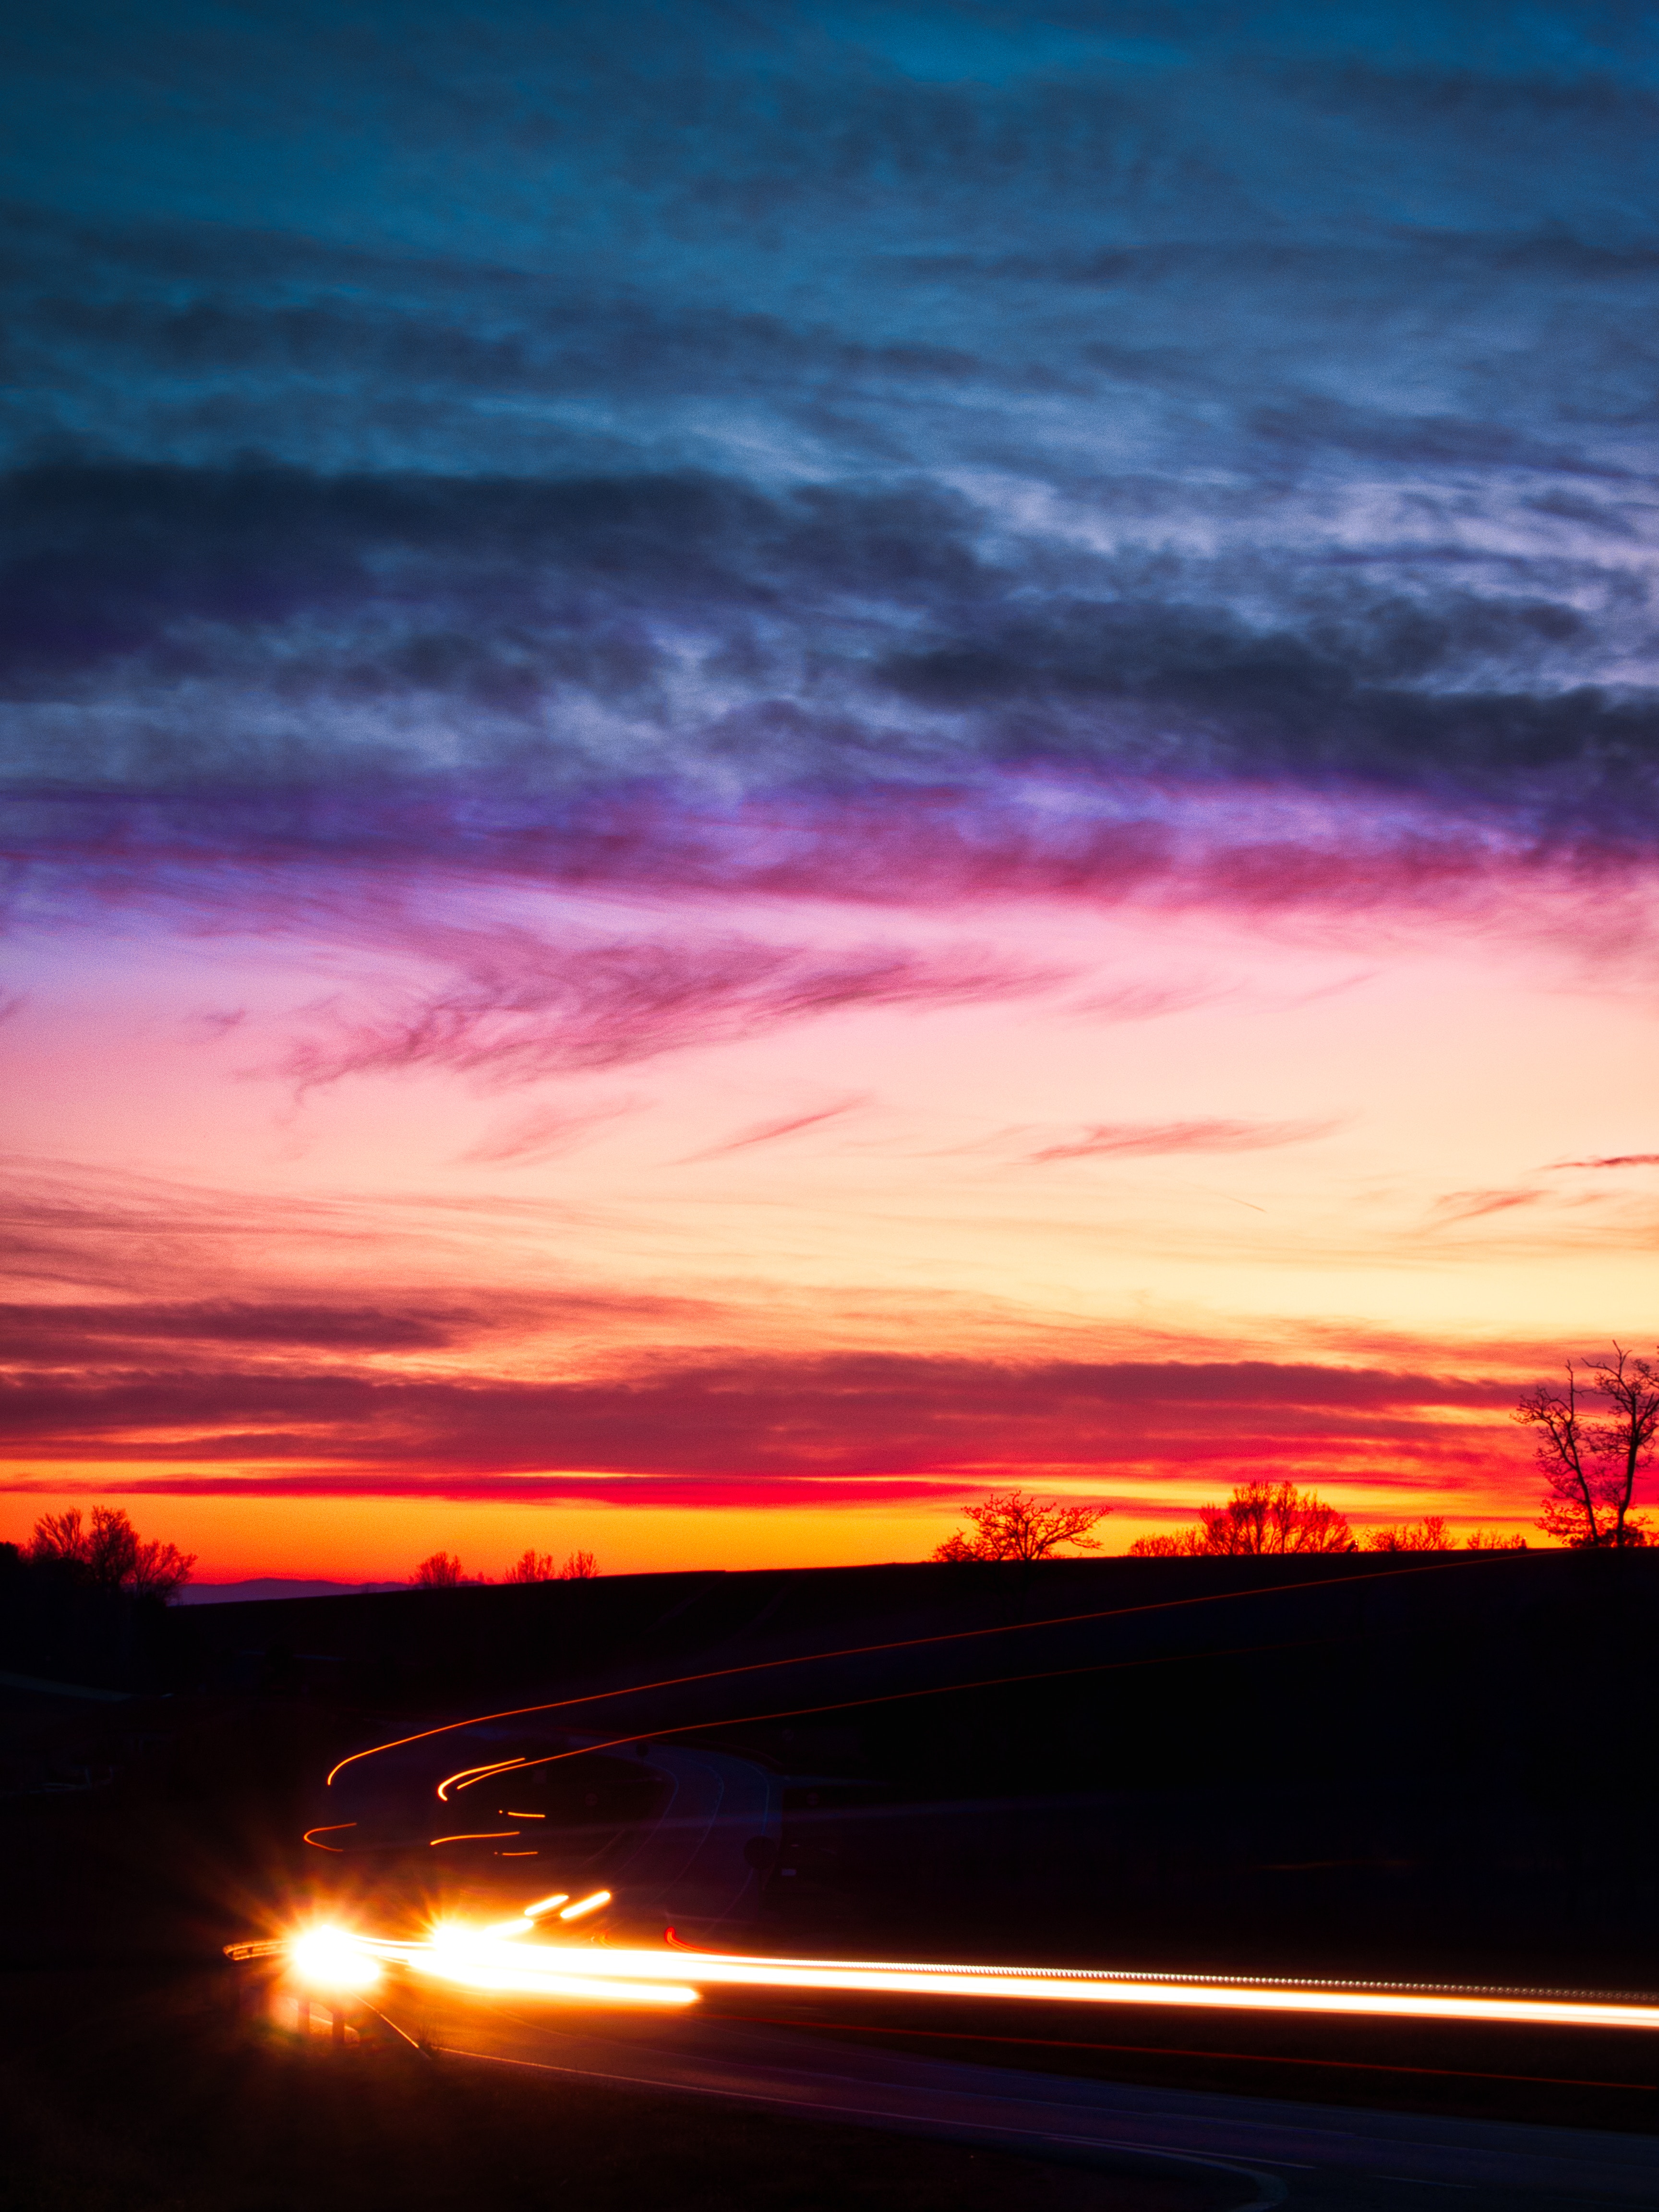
(1310, 2158)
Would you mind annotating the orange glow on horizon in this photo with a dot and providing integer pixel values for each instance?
(1338, 1154)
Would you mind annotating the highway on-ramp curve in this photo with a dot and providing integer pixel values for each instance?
(1257, 2152)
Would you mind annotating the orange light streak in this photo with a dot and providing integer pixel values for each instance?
(586, 1904)
(474, 1836)
(468, 1774)
(490, 1960)
(903, 1643)
(545, 1905)
(337, 1828)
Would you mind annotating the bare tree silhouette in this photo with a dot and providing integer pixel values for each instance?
(1431, 1534)
(442, 1571)
(109, 1552)
(532, 1567)
(1590, 1466)
(1259, 1516)
(1011, 1524)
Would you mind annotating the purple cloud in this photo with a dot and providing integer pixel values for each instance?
(525, 1008)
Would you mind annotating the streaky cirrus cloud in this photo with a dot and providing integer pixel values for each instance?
(73, 1331)
(1475, 1205)
(545, 1132)
(787, 1125)
(1127, 1139)
(532, 1009)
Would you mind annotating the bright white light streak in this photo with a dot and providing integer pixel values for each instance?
(486, 1959)
(545, 1905)
(558, 1971)
(586, 1904)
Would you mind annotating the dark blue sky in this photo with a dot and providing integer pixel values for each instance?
(738, 398)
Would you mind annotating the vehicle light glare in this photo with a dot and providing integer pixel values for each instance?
(545, 1905)
(330, 1958)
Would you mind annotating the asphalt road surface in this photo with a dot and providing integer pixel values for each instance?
(1256, 2151)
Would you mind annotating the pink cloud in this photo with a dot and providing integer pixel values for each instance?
(545, 1132)
(1213, 1136)
(767, 1133)
(1475, 1205)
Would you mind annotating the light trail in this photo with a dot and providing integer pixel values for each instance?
(498, 1959)
(587, 1905)
(903, 1643)
(468, 1774)
(467, 1778)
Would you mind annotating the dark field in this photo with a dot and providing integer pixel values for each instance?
(1434, 1795)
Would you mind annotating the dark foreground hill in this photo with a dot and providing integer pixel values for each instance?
(1393, 1768)
(1422, 1763)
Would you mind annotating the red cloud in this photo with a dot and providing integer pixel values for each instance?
(711, 1423)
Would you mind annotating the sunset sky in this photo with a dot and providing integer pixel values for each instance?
(764, 764)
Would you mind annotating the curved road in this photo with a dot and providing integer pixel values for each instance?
(1259, 2153)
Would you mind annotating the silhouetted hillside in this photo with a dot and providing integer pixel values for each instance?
(1429, 1762)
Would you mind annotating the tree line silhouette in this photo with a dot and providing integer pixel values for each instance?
(107, 1553)
(442, 1571)
(1591, 1457)
(1590, 1453)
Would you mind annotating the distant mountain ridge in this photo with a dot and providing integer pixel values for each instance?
(269, 1586)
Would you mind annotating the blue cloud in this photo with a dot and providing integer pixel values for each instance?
(712, 401)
